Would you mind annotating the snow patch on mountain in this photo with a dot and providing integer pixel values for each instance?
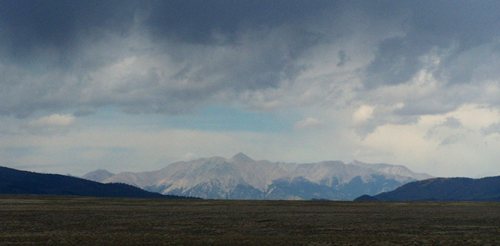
(241, 177)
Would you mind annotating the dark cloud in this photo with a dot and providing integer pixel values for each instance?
(176, 55)
(467, 22)
(54, 51)
(452, 139)
(30, 28)
(343, 58)
(58, 24)
(455, 25)
(396, 61)
(452, 122)
(197, 21)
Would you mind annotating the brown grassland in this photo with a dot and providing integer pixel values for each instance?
(94, 221)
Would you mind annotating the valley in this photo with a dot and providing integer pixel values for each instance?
(92, 221)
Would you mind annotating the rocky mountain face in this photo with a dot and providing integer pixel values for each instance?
(443, 189)
(241, 177)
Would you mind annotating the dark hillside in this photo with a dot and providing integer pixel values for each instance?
(445, 189)
(14, 181)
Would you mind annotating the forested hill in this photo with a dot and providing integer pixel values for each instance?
(14, 181)
(444, 189)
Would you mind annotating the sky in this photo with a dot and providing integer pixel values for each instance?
(135, 85)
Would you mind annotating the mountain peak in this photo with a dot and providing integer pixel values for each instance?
(98, 175)
(241, 157)
(240, 177)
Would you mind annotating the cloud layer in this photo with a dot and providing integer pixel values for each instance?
(153, 56)
(365, 71)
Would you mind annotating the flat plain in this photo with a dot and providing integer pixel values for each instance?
(98, 221)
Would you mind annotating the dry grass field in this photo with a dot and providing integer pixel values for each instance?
(93, 221)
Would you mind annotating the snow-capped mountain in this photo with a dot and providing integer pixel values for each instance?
(241, 177)
(98, 175)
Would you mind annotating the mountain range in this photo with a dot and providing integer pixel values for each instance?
(241, 177)
(17, 182)
(443, 189)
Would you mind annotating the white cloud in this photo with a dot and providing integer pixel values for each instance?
(476, 116)
(53, 120)
(362, 114)
(308, 122)
(447, 151)
(434, 145)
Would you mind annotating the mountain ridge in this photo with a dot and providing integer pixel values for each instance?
(443, 189)
(241, 177)
(17, 182)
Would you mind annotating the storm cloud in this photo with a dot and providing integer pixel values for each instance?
(170, 56)
(370, 67)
